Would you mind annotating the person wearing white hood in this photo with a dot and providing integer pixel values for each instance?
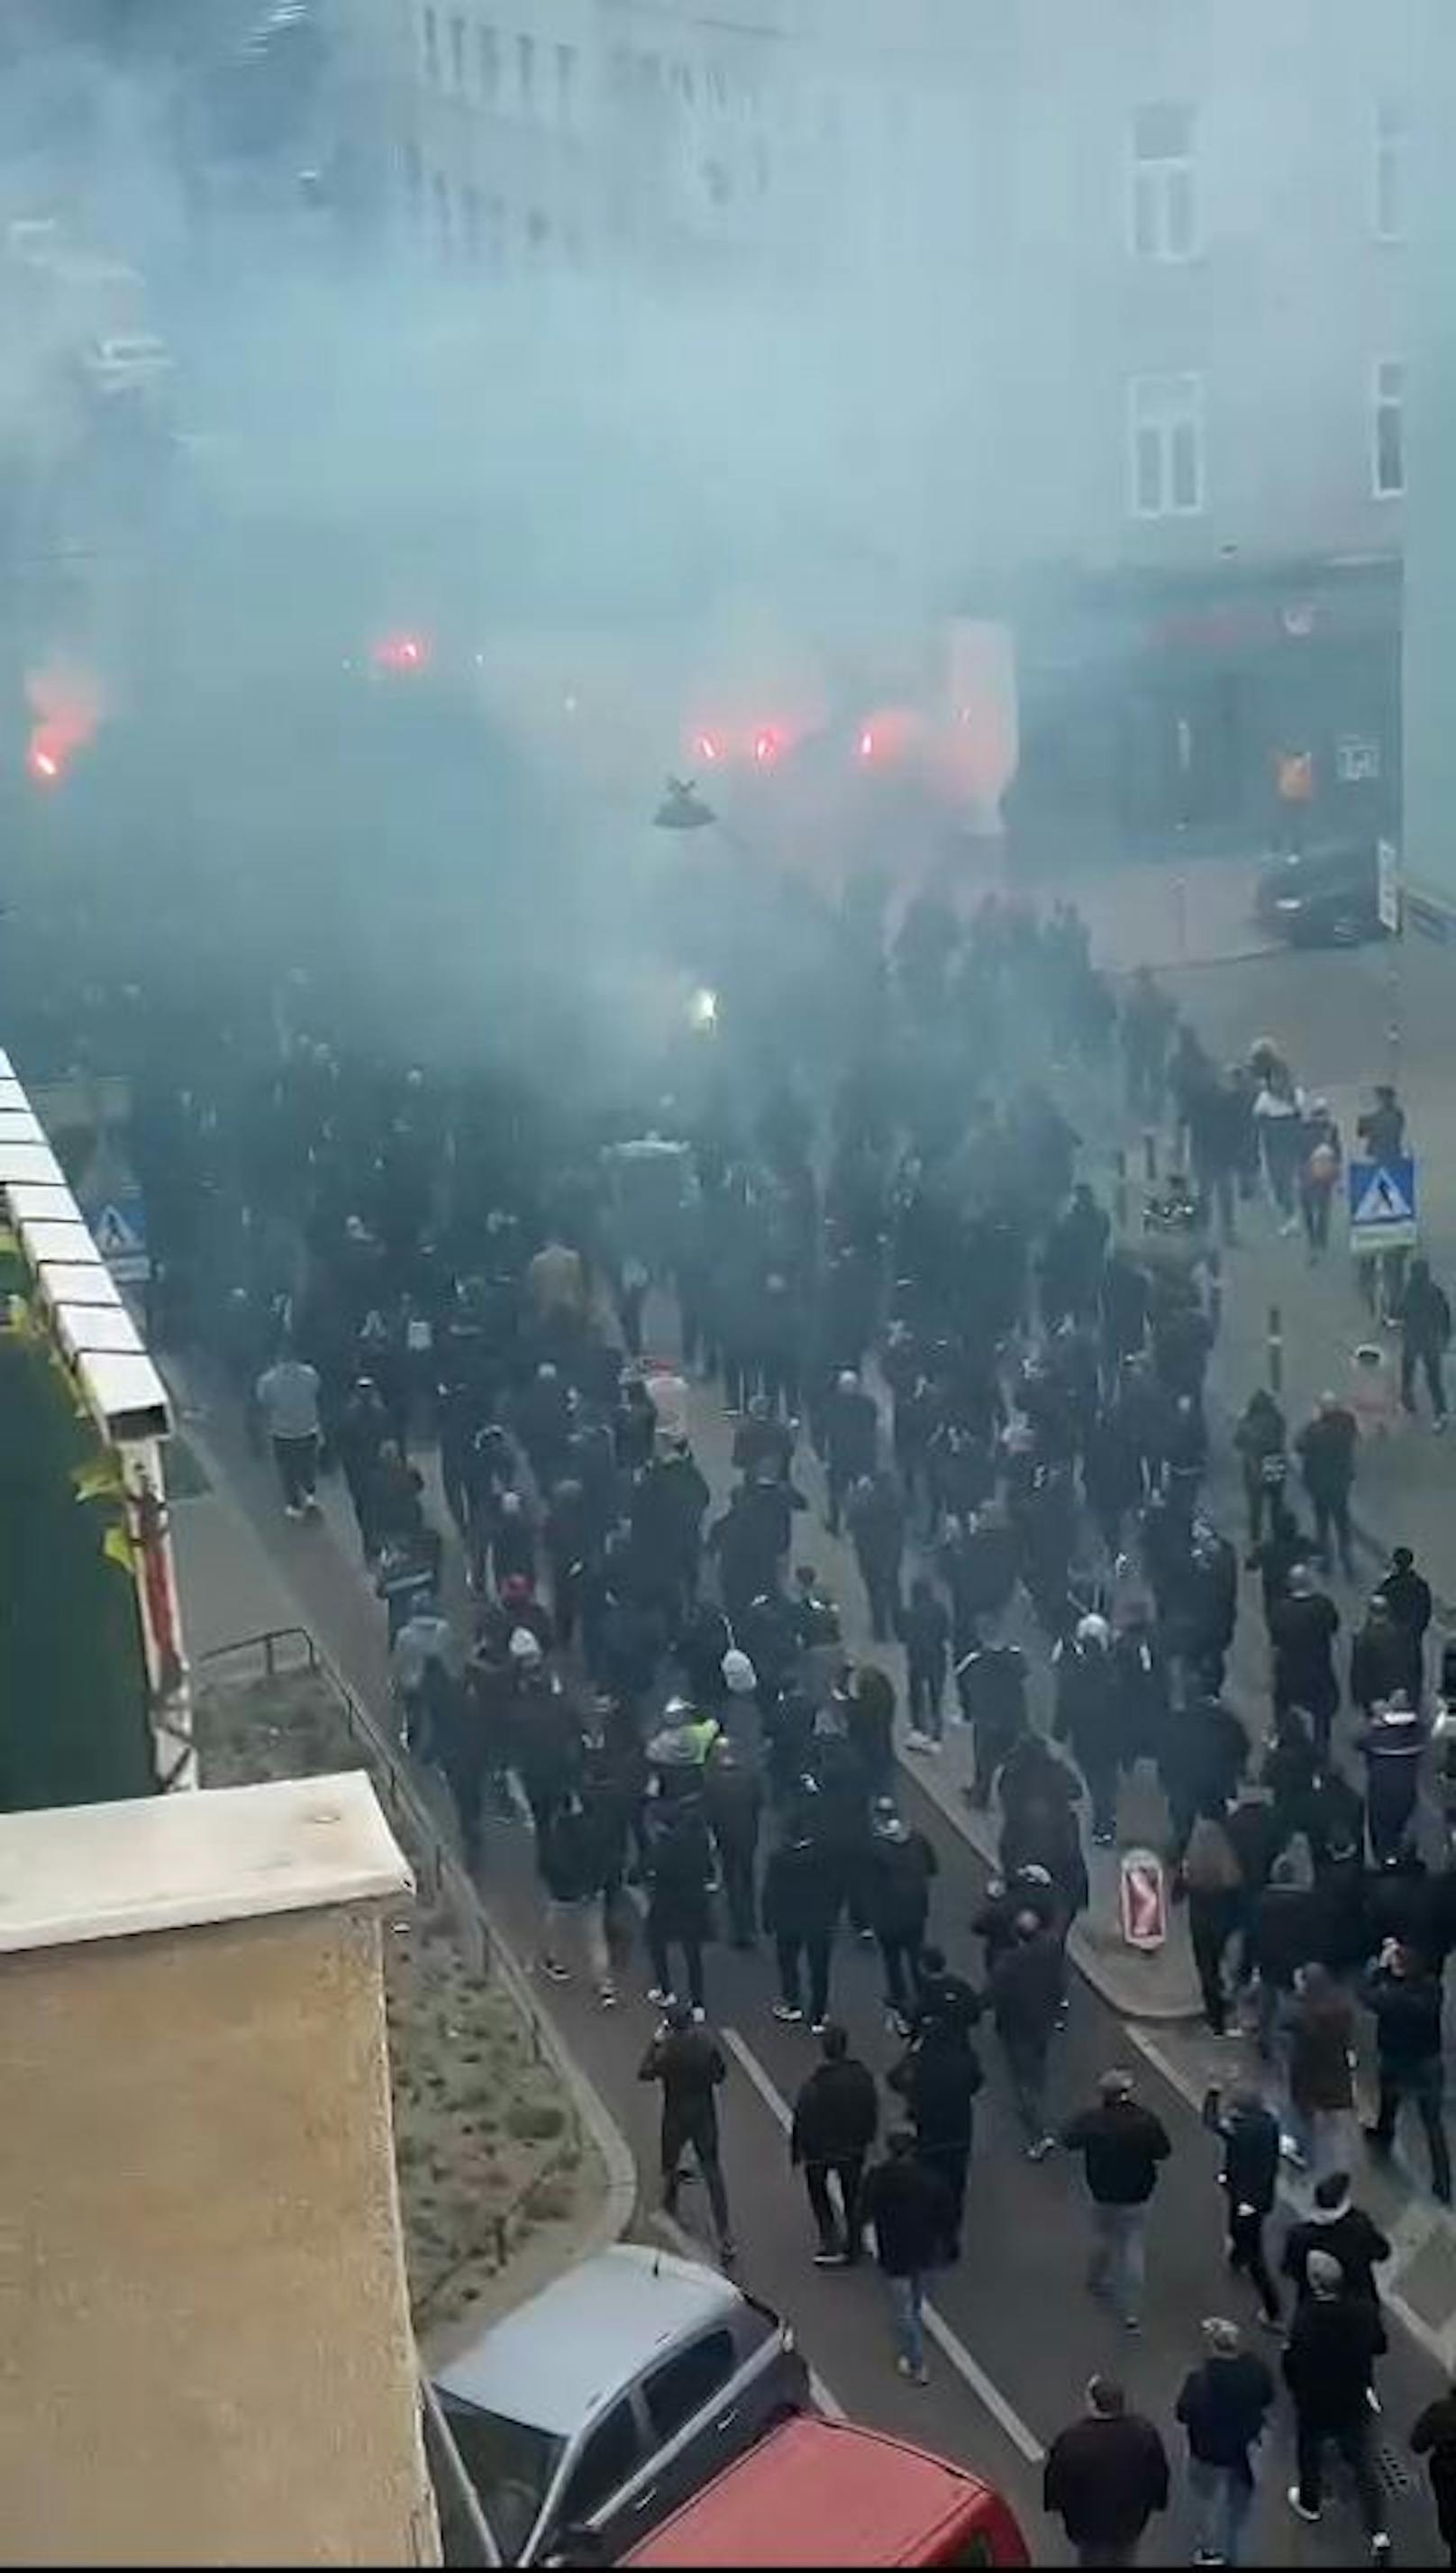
(1087, 1716)
(1279, 1120)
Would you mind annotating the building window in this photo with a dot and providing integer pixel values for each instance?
(473, 210)
(1162, 181)
(458, 52)
(487, 55)
(566, 82)
(442, 227)
(429, 38)
(526, 63)
(1392, 137)
(1387, 444)
(1167, 434)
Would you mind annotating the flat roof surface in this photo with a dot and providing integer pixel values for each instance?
(554, 2359)
(75, 1872)
(816, 2492)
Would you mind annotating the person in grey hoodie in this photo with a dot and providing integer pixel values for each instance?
(287, 1398)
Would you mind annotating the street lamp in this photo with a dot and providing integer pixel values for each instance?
(682, 808)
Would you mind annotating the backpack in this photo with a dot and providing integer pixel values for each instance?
(1211, 1861)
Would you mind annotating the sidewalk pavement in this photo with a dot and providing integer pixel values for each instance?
(1171, 911)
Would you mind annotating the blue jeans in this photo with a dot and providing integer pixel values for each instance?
(1119, 2256)
(907, 2295)
(1222, 2501)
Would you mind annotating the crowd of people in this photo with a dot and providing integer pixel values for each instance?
(925, 1325)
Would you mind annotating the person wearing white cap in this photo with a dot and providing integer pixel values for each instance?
(1089, 1716)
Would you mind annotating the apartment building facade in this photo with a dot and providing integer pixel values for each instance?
(1144, 265)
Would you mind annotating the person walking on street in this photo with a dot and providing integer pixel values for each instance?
(896, 1887)
(1223, 2406)
(1433, 2436)
(1213, 1881)
(1336, 2225)
(1302, 1629)
(679, 1868)
(937, 2079)
(1105, 2477)
(1122, 2145)
(690, 2065)
(875, 1513)
(1260, 1441)
(925, 1630)
(1320, 2036)
(1250, 2183)
(1319, 1176)
(1334, 2342)
(1424, 1316)
(1089, 1717)
(800, 1902)
(851, 1441)
(1394, 1742)
(1326, 1447)
(733, 1802)
(286, 1394)
(909, 2207)
(1405, 1998)
(1408, 1593)
(834, 2119)
(1026, 2002)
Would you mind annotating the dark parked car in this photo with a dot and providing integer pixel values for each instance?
(1326, 897)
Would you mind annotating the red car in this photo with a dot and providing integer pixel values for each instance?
(826, 2492)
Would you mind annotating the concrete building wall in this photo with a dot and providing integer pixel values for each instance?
(1430, 689)
(205, 2338)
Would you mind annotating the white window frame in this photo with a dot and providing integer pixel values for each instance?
(1151, 180)
(1382, 400)
(1181, 398)
(1390, 169)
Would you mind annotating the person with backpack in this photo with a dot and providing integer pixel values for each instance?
(680, 1870)
(937, 2079)
(1224, 2407)
(1213, 1881)
(898, 1876)
(1335, 2224)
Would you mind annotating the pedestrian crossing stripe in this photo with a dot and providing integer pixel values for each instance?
(113, 1235)
(1383, 1202)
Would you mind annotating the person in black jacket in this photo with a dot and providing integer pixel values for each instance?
(1433, 2435)
(910, 2208)
(1302, 1628)
(834, 2119)
(1122, 2145)
(897, 1885)
(1408, 1592)
(1405, 1998)
(1025, 1998)
(1385, 1657)
(1250, 2182)
(680, 1870)
(1224, 2407)
(1106, 2476)
(991, 1682)
(938, 2077)
(1336, 2225)
(799, 1901)
(733, 1802)
(689, 2063)
(1424, 1316)
(925, 1631)
(1334, 2342)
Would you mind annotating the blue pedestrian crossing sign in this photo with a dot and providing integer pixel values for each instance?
(118, 1224)
(1382, 1206)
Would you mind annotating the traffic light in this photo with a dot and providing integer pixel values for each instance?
(402, 652)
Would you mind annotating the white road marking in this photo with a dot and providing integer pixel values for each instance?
(949, 2342)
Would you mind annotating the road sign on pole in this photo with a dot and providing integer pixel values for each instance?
(1382, 1198)
(1143, 1899)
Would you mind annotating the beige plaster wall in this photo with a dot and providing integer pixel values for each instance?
(205, 2344)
